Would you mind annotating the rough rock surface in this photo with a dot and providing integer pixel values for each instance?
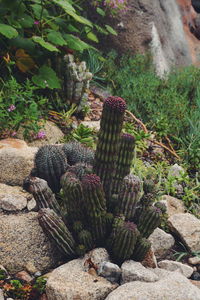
(53, 135)
(16, 161)
(174, 265)
(13, 197)
(70, 281)
(22, 241)
(173, 205)
(162, 273)
(110, 271)
(1, 295)
(194, 260)
(175, 287)
(161, 242)
(187, 228)
(97, 256)
(176, 170)
(132, 271)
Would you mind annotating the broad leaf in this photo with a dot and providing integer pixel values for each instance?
(101, 12)
(75, 43)
(46, 45)
(8, 31)
(26, 21)
(111, 30)
(46, 78)
(56, 38)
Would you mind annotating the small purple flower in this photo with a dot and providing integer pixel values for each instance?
(36, 22)
(12, 107)
(13, 133)
(41, 135)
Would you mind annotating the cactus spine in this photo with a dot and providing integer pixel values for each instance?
(58, 231)
(149, 220)
(85, 238)
(108, 142)
(141, 248)
(77, 153)
(124, 160)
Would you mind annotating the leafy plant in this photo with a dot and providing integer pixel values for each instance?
(84, 135)
(21, 107)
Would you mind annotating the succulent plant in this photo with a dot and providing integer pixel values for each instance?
(109, 140)
(75, 153)
(124, 160)
(103, 202)
(50, 164)
(58, 231)
(129, 196)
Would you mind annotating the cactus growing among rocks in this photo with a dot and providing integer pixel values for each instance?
(103, 201)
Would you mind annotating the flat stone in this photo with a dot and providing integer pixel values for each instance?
(16, 161)
(173, 205)
(70, 281)
(22, 241)
(32, 205)
(175, 265)
(175, 287)
(132, 271)
(194, 260)
(187, 228)
(161, 242)
(23, 275)
(1, 295)
(110, 271)
(196, 283)
(161, 273)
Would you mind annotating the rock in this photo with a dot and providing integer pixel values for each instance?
(132, 271)
(92, 124)
(196, 283)
(110, 271)
(161, 273)
(196, 276)
(175, 287)
(187, 228)
(13, 198)
(16, 161)
(161, 242)
(174, 265)
(176, 171)
(22, 241)
(194, 260)
(173, 205)
(31, 268)
(70, 281)
(23, 275)
(32, 205)
(1, 295)
(53, 135)
(97, 256)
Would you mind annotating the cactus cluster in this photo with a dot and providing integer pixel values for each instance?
(102, 203)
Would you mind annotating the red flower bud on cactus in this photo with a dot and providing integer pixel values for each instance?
(115, 103)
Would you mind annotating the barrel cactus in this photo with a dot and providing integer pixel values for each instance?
(104, 204)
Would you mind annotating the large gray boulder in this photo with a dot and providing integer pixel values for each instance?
(187, 228)
(170, 265)
(173, 205)
(16, 161)
(175, 286)
(70, 281)
(22, 242)
(161, 242)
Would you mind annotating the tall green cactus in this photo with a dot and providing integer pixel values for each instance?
(141, 248)
(50, 164)
(149, 220)
(95, 203)
(108, 141)
(58, 231)
(124, 160)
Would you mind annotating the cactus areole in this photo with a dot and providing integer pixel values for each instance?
(100, 202)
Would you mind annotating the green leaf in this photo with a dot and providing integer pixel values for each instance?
(26, 21)
(8, 31)
(92, 37)
(39, 11)
(101, 12)
(111, 30)
(46, 78)
(46, 45)
(72, 28)
(75, 43)
(69, 9)
(101, 30)
(56, 38)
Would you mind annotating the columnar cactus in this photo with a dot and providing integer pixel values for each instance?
(141, 248)
(124, 160)
(58, 231)
(95, 203)
(129, 196)
(123, 241)
(50, 164)
(149, 220)
(42, 193)
(85, 238)
(108, 142)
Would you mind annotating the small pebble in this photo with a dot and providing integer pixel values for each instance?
(195, 276)
(194, 260)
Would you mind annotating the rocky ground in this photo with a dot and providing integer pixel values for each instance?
(27, 253)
